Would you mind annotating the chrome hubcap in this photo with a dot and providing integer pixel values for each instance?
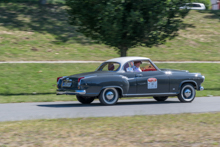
(109, 95)
(187, 93)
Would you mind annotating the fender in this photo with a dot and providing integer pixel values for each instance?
(188, 81)
(113, 87)
(95, 85)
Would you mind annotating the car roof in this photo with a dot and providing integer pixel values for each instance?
(123, 60)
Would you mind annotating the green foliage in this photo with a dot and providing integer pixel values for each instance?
(124, 24)
(33, 1)
(207, 3)
(30, 28)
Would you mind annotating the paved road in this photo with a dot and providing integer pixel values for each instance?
(27, 111)
(103, 61)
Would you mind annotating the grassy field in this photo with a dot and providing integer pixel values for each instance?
(30, 33)
(161, 130)
(37, 82)
(36, 98)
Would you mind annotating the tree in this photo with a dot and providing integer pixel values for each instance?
(125, 24)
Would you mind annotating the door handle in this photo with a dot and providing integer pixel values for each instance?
(139, 75)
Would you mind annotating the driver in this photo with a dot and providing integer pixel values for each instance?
(136, 66)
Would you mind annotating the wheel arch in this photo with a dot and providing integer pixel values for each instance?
(118, 88)
(190, 82)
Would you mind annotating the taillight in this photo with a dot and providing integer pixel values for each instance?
(80, 79)
(58, 78)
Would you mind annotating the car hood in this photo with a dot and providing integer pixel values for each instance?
(173, 70)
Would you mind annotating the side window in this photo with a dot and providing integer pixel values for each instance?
(128, 67)
(196, 5)
(139, 66)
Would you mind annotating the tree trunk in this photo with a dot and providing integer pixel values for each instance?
(123, 51)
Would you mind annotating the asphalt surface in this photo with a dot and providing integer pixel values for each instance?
(73, 109)
(2, 62)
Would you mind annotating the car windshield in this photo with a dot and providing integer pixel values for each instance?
(109, 66)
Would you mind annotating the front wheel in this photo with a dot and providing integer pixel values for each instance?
(109, 96)
(187, 93)
(84, 100)
(161, 98)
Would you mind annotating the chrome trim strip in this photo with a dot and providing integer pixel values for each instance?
(131, 78)
(72, 92)
(151, 94)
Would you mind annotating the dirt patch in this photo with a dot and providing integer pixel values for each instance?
(34, 49)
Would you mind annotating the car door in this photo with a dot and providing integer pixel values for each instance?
(152, 82)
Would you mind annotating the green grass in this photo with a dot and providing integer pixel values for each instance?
(37, 82)
(160, 130)
(36, 98)
(37, 78)
(30, 33)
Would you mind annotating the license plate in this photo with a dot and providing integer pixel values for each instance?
(67, 84)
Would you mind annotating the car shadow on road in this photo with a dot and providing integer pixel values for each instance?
(99, 104)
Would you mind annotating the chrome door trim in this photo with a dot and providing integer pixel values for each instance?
(151, 94)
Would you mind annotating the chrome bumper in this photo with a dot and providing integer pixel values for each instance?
(201, 88)
(72, 92)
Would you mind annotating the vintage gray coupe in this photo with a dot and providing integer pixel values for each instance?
(130, 77)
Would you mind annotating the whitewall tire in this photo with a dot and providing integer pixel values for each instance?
(187, 93)
(109, 96)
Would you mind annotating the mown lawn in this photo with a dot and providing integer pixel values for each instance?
(30, 33)
(36, 98)
(160, 130)
(37, 82)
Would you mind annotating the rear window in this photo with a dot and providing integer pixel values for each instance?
(109, 66)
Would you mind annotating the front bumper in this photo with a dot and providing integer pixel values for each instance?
(201, 88)
(72, 92)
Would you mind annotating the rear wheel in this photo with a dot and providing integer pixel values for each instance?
(161, 98)
(187, 93)
(109, 96)
(85, 100)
